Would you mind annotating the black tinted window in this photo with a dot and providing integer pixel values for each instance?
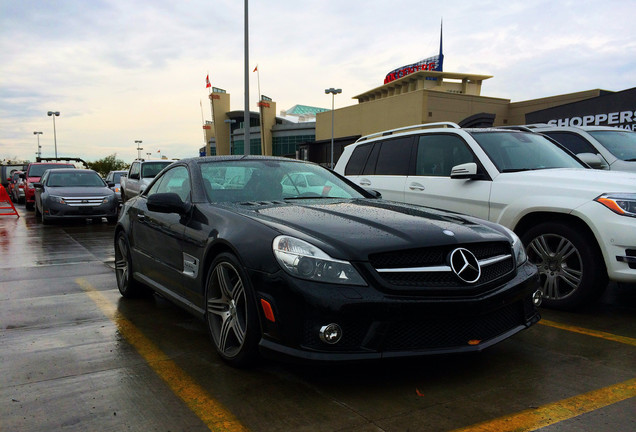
(438, 154)
(358, 159)
(572, 142)
(394, 157)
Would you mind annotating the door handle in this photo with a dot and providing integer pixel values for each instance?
(141, 216)
(416, 186)
(365, 182)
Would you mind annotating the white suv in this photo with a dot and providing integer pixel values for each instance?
(613, 148)
(578, 224)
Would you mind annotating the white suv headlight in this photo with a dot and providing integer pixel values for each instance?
(623, 204)
(306, 261)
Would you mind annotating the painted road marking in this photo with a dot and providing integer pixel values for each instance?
(594, 333)
(533, 419)
(210, 411)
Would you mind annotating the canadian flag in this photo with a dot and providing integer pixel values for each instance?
(207, 81)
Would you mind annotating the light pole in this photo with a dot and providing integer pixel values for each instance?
(39, 152)
(54, 114)
(139, 149)
(229, 122)
(333, 92)
(148, 154)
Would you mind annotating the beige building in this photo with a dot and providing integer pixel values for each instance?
(430, 96)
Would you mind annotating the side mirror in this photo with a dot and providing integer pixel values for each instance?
(38, 185)
(465, 171)
(134, 176)
(110, 184)
(168, 202)
(595, 161)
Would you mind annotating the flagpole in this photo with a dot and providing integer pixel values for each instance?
(205, 141)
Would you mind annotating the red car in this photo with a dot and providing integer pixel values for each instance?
(33, 173)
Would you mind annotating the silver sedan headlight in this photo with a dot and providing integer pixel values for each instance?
(306, 261)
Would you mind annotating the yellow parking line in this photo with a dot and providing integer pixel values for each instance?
(598, 334)
(533, 419)
(210, 411)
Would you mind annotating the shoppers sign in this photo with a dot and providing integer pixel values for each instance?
(616, 109)
(429, 64)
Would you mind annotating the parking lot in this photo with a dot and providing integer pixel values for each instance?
(75, 355)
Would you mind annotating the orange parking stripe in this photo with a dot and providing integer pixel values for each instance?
(210, 411)
(533, 419)
(594, 333)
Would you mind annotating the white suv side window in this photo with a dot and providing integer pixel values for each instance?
(438, 154)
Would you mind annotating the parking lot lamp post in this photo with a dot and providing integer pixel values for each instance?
(54, 114)
(39, 152)
(333, 92)
(139, 148)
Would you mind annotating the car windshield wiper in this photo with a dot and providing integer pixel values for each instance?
(307, 197)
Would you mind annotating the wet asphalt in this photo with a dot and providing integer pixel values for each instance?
(76, 356)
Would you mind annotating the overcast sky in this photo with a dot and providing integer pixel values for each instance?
(122, 70)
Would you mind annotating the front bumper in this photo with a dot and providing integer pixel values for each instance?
(378, 325)
(54, 210)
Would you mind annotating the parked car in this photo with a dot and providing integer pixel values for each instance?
(16, 187)
(74, 194)
(602, 147)
(114, 177)
(32, 175)
(6, 171)
(320, 277)
(578, 224)
(140, 174)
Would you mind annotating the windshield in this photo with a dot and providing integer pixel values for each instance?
(620, 143)
(522, 151)
(74, 179)
(151, 169)
(268, 180)
(38, 170)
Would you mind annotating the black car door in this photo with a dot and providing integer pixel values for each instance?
(157, 236)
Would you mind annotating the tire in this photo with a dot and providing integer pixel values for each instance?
(128, 286)
(43, 218)
(112, 219)
(570, 264)
(37, 211)
(231, 314)
(29, 206)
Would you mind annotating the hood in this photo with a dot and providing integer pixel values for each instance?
(79, 191)
(588, 182)
(352, 229)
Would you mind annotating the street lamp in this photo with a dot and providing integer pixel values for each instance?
(139, 149)
(54, 114)
(148, 154)
(333, 92)
(230, 121)
(39, 152)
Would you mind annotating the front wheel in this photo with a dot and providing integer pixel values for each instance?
(570, 265)
(230, 311)
(128, 286)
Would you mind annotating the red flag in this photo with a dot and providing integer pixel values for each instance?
(255, 68)
(158, 151)
(207, 81)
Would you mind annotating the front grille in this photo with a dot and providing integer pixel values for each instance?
(83, 201)
(448, 332)
(437, 257)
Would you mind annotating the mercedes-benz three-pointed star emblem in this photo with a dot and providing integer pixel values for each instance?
(465, 265)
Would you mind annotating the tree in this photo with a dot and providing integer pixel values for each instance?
(107, 164)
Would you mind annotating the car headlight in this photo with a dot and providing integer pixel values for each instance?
(306, 261)
(623, 204)
(57, 199)
(517, 247)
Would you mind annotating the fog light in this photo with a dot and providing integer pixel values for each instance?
(331, 333)
(537, 298)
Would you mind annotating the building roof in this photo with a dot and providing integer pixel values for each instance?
(302, 110)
